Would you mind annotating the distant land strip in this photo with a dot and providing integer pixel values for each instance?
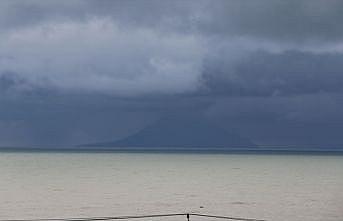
(241, 150)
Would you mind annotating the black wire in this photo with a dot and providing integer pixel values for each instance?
(137, 217)
(100, 218)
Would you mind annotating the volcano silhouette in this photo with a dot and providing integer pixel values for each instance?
(177, 132)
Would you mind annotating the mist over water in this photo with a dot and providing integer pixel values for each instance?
(272, 187)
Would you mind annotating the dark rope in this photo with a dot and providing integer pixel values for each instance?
(138, 217)
(100, 218)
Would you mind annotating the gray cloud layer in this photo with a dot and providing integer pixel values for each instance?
(130, 48)
(245, 63)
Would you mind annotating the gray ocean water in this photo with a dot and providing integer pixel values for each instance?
(266, 186)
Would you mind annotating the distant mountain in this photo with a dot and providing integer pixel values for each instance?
(180, 133)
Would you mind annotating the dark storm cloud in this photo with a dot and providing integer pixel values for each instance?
(134, 48)
(84, 71)
(48, 119)
(265, 74)
(100, 56)
(288, 20)
(293, 20)
(308, 120)
(135, 13)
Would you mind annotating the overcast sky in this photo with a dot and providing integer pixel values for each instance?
(85, 71)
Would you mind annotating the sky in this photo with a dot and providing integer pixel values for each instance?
(79, 71)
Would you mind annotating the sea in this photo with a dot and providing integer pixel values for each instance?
(281, 186)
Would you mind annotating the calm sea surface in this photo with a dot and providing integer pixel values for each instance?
(273, 187)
